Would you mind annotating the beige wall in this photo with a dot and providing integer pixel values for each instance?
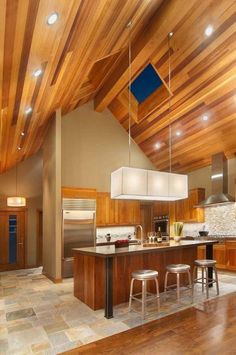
(30, 186)
(93, 145)
(202, 178)
(52, 199)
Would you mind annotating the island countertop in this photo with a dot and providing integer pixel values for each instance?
(111, 251)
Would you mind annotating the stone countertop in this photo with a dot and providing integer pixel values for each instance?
(216, 237)
(111, 251)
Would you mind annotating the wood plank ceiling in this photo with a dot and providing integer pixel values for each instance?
(84, 56)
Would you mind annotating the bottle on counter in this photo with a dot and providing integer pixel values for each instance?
(159, 235)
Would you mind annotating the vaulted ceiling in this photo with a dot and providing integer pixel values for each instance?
(83, 56)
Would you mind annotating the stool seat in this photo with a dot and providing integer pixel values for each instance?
(144, 274)
(177, 268)
(205, 263)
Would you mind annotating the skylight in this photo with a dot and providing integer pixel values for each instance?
(145, 84)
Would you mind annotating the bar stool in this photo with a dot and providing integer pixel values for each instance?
(144, 276)
(204, 265)
(177, 269)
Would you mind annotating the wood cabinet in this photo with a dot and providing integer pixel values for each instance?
(74, 192)
(224, 253)
(185, 210)
(230, 247)
(116, 212)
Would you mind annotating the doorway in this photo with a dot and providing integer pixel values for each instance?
(12, 239)
(39, 237)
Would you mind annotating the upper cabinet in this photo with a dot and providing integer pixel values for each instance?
(185, 210)
(116, 212)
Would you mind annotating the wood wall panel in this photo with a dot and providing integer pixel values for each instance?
(84, 56)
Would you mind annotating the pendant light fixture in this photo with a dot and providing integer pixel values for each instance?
(16, 201)
(141, 184)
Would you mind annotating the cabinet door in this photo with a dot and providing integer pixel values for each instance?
(186, 211)
(231, 254)
(129, 212)
(102, 209)
(219, 254)
(12, 240)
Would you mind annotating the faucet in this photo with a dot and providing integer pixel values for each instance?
(141, 232)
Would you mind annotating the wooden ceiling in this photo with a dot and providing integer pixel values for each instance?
(84, 56)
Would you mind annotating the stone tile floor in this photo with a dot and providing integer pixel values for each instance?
(39, 317)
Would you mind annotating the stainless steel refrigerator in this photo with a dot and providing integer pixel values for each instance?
(78, 229)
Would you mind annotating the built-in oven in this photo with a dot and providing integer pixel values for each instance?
(161, 223)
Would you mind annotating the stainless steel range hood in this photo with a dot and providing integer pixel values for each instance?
(219, 178)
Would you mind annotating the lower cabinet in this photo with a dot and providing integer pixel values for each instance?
(223, 253)
(230, 247)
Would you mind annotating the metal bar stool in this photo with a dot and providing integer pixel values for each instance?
(177, 269)
(205, 281)
(144, 276)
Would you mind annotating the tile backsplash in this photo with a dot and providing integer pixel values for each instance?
(220, 220)
(116, 233)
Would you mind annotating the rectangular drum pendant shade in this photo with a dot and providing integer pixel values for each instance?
(141, 184)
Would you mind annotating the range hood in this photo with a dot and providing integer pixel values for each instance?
(219, 178)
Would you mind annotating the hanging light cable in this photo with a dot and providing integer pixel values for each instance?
(141, 184)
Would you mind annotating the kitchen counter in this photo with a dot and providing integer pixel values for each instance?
(110, 250)
(102, 274)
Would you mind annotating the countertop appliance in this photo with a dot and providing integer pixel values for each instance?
(78, 229)
(161, 222)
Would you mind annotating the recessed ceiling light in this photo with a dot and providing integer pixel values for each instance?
(178, 133)
(205, 118)
(22, 134)
(18, 148)
(28, 110)
(158, 145)
(171, 34)
(37, 72)
(52, 18)
(209, 31)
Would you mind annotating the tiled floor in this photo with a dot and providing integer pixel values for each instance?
(39, 317)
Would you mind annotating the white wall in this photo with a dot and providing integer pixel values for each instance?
(93, 145)
(30, 186)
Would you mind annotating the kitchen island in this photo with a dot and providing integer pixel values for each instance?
(102, 274)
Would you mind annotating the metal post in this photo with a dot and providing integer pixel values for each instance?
(108, 288)
(209, 255)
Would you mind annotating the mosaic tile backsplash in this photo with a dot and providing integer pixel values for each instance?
(116, 233)
(220, 220)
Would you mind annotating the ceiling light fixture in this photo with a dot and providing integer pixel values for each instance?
(18, 148)
(158, 145)
(209, 31)
(205, 118)
(16, 201)
(141, 184)
(22, 134)
(28, 110)
(37, 72)
(52, 18)
(178, 133)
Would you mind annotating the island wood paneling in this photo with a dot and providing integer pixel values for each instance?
(89, 273)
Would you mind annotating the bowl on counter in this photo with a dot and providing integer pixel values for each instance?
(203, 233)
